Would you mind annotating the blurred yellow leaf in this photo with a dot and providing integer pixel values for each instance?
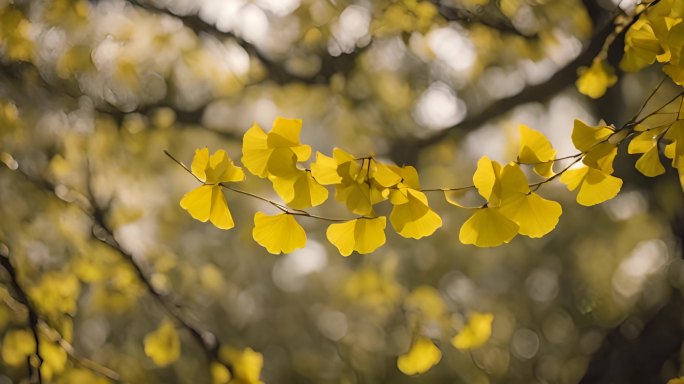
(220, 374)
(17, 345)
(422, 356)
(163, 345)
(476, 332)
(246, 364)
(595, 80)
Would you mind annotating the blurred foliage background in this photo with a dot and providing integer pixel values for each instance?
(92, 92)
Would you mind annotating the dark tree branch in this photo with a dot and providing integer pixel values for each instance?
(102, 232)
(330, 65)
(489, 16)
(35, 375)
(639, 360)
(406, 150)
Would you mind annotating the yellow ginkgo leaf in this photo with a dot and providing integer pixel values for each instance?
(414, 219)
(324, 170)
(476, 333)
(361, 235)
(427, 301)
(595, 186)
(585, 137)
(601, 156)
(274, 153)
(255, 150)
(356, 196)
(214, 169)
(163, 345)
(486, 176)
(675, 150)
(208, 203)
(422, 356)
(278, 234)
(649, 163)
(300, 192)
(534, 215)
(641, 46)
(487, 227)
(676, 380)
(247, 364)
(536, 149)
(17, 345)
(594, 81)
(387, 176)
(285, 134)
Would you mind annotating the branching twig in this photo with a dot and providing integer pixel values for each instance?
(103, 233)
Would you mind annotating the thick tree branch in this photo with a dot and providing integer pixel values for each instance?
(406, 150)
(489, 16)
(330, 65)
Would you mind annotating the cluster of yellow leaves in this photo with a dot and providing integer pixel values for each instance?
(593, 179)
(426, 310)
(512, 207)
(656, 130)
(207, 201)
(406, 16)
(19, 344)
(56, 294)
(424, 354)
(15, 29)
(658, 35)
(359, 183)
(163, 347)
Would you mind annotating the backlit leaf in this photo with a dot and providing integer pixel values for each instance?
(595, 186)
(361, 235)
(278, 234)
(487, 227)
